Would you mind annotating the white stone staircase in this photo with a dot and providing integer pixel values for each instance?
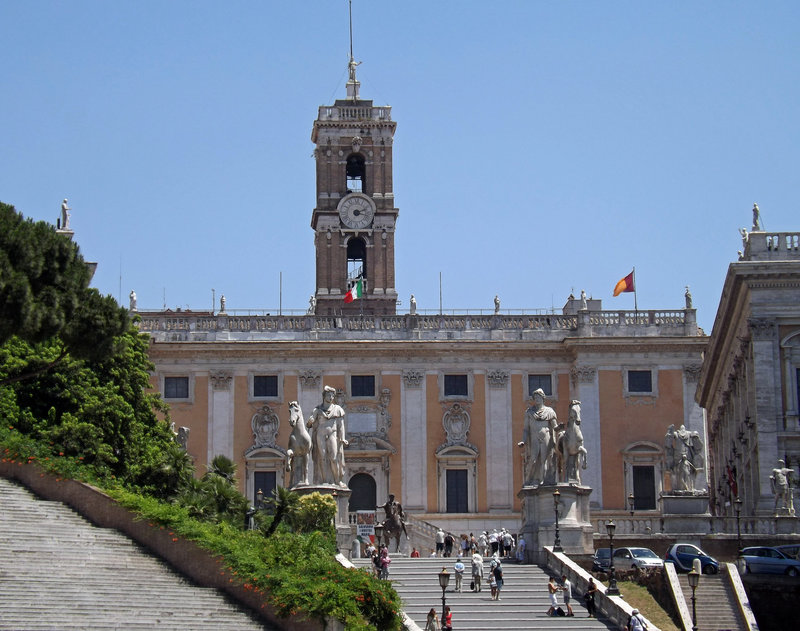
(59, 572)
(715, 603)
(523, 605)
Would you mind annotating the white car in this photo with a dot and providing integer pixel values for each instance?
(642, 558)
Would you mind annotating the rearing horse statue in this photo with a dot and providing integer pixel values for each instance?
(570, 445)
(299, 452)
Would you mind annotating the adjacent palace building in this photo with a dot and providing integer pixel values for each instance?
(435, 403)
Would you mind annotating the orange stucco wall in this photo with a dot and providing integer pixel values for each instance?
(625, 420)
(393, 382)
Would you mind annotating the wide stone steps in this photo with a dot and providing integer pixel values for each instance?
(59, 572)
(715, 604)
(523, 605)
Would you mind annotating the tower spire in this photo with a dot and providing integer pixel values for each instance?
(352, 83)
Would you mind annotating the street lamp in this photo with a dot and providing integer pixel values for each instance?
(737, 506)
(444, 581)
(379, 533)
(694, 579)
(557, 543)
(612, 590)
(631, 501)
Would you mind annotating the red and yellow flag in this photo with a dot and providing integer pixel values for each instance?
(626, 284)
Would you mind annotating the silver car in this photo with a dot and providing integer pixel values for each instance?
(642, 558)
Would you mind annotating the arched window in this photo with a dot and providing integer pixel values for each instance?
(356, 174)
(364, 495)
(356, 259)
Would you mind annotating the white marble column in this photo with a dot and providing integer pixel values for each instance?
(414, 439)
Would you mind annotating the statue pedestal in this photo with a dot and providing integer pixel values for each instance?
(344, 532)
(539, 519)
(685, 513)
(786, 524)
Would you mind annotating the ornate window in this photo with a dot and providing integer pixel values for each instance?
(356, 260)
(455, 386)
(362, 386)
(457, 463)
(265, 460)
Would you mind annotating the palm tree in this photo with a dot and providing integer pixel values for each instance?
(284, 502)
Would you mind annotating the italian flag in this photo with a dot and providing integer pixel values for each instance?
(355, 291)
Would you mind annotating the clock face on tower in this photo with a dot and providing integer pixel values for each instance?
(356, 211)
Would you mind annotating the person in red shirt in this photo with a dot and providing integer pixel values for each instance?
(447, 619)
(414, 553)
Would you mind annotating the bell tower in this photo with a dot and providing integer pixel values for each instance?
(354, 218)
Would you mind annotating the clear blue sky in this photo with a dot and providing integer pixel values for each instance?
(541, 147)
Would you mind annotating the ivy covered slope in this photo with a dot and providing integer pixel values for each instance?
(75, 397)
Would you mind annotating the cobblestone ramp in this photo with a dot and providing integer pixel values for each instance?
(523, 605)
(59, 572)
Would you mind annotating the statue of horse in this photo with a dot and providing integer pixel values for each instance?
(570, 447)
(299, 452)
(394, 524)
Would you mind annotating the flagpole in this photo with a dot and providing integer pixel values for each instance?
(280, 293)
(635, 298)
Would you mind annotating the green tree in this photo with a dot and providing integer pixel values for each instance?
(284, 504)
(45, 295)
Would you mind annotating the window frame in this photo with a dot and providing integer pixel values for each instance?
(189, 387)
(468, 375)
(552, 395)
(251, 386)
(375, 386)
(653, 392)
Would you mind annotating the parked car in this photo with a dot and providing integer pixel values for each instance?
(601, 561)
(642, 558)
(684, 554)
(792, 551)
(766, 560)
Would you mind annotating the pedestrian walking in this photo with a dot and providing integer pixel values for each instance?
(566, 587)
(477, 571)
(588, 598)
(432, 623)
(459, 568)
(447, 619)
(552, 589)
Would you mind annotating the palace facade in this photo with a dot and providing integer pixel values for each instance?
(750, 383)
(435, 403)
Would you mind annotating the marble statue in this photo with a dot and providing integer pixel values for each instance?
(312, 305)
(298, 456)
(538, 441)
(684, 457)
(222, 303)
(351, 69)
(688, 296)
(569, 445)
(412, 305)
(181, 436)
(132, 297)
(497, 304)
(584, 306)
(65, 215)
(328, 437)
(756, 219)
(781, 483)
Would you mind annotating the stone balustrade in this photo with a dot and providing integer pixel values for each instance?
(772, 246)
(205, 326)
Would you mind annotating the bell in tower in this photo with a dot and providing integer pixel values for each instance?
(354, 218)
